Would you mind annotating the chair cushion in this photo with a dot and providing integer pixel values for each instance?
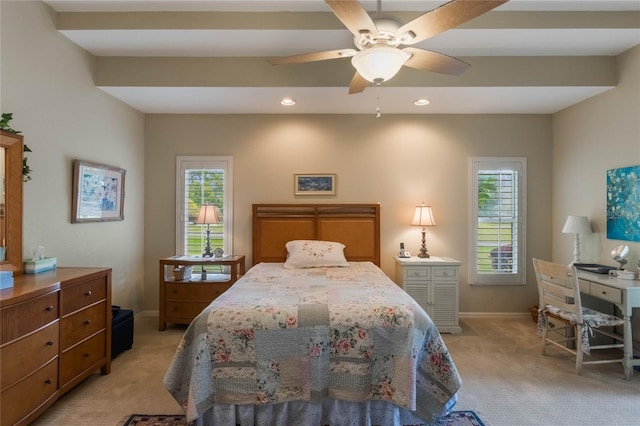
(590, 318)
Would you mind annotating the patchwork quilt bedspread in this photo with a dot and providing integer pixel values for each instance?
(281, 335)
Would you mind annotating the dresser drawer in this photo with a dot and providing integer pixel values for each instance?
(201, 292)
(18, 359)
(83, 294)
(82, 324)
(415, 272)
(23, 318)
(81, 357)
(444, 273)
(25, 396)
(611, 294)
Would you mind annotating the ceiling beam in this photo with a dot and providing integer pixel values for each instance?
(517, 71)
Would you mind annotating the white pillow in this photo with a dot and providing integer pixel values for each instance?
(314, 254)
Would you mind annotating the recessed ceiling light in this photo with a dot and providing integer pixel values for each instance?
(287, 102)
(422, 102)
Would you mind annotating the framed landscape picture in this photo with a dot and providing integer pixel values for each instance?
(314, 184)
(623, 203)
(98, 192)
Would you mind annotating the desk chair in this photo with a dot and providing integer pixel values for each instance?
(559, 291)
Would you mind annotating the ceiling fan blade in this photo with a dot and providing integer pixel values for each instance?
(427, 60)
(313, 57)
(358, 84)
(445, 17)
(353, 16)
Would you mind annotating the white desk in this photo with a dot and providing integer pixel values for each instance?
(625, 294)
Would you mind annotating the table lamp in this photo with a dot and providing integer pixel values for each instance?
(576, 225)
(208, 215)
(423, 216)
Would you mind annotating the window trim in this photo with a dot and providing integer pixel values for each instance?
(195, 162)
(518, 164)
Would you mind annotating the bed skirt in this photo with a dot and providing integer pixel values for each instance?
(328, 412)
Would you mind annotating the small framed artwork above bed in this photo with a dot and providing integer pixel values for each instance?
(314, 184)
(314, 333)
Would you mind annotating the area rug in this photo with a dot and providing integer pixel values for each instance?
(455, 418)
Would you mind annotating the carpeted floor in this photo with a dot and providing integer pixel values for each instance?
(456, 418)
(505, 380)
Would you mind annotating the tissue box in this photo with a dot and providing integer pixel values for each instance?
(181, 272)
(33, 266)
(6, 279)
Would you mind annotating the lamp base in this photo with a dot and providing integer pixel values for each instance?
(423, 254)
(423, 249)
(207, 248)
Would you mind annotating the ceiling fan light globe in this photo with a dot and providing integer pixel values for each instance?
(379, 63)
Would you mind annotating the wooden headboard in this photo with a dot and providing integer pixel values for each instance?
(357, 226)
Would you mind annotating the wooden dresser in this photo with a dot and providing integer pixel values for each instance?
(55, 331)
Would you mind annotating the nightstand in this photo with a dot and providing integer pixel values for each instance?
(433, 283)
(181, 300)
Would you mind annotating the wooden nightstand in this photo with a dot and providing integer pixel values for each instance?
(433, 283)
(182, 300)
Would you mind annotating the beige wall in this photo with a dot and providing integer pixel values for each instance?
(398, 161)
(590, 138)
(47, 82)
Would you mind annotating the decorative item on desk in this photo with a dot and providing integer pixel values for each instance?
(576, 225)
(208, 215)
(619, 254)
(423, 216)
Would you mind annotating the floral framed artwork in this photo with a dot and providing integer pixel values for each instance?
(98, 192)
(623, 203)
(314, 184)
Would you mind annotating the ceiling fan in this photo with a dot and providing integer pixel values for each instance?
(380, 55)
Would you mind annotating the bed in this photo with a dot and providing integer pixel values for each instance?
(314, 333)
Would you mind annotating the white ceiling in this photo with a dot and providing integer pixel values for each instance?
(554, 28)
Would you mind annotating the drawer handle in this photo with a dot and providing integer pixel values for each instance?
(50, 343)
(445, 274)
(87, 354)
(604, 292)
(49, 308)
(88, 293)
(87, 322)
(48, 381)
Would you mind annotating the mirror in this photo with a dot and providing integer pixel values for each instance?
(11, 202)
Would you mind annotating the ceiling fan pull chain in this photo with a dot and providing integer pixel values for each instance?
(378, 112)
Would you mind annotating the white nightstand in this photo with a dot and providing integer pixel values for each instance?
(433, 283)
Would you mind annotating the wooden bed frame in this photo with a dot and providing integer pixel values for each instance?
(357, 226)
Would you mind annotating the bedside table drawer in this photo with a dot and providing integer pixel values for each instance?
(416, 272)
(445, 273)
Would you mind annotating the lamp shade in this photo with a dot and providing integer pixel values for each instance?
(423, 216)
(379, 63)
(208, 215)
(576, 225)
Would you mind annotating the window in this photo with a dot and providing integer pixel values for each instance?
(498, 217)
(203, 180)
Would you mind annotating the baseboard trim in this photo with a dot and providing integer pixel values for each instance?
(494, 314)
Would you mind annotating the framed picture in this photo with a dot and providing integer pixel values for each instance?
(623, 203)
(98, 192)
(314, 184)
